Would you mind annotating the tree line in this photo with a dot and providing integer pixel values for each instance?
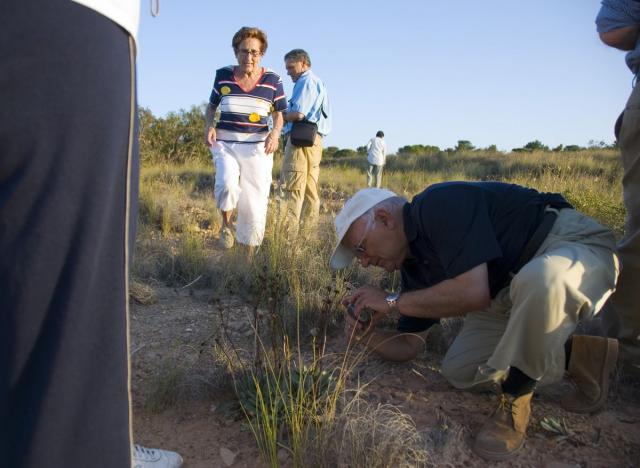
(178, 138)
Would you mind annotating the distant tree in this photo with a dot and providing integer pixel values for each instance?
(536, 145)
(593, 144)
(329, 151)
(176, 138)
(418, 149)
(573, 148)
(491, 149)
(344, 153)
(558, 148)
(361, 150)
(464, 145)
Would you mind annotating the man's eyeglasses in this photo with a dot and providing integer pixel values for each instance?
(361, 247)
(253, 53)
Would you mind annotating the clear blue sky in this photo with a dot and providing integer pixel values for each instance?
(430, 72)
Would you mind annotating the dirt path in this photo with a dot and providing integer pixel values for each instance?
(168, 339)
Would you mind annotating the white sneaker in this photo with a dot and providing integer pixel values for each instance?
(226, 240)
(155, 458)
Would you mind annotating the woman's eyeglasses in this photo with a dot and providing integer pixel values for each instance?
(253, 53)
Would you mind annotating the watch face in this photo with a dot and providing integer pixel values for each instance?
(392, 298)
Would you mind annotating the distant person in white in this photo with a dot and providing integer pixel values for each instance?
(376, 156)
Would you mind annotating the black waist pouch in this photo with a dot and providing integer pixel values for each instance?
(303, 133)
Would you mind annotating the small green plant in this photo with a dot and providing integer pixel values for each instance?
(556, 426)
(286, 405)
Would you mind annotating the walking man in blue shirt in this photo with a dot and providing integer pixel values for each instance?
(301, 165)
(618, 24)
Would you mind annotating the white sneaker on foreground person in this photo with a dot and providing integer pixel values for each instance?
(155, 458)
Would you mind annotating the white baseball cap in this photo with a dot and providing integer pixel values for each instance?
(355, 207)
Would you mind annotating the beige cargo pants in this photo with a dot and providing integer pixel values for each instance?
(623, 318)
(300, 172)
(570, 277)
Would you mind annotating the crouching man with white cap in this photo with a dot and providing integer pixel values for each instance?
(523, 267)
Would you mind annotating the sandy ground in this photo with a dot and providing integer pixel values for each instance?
(177, 330)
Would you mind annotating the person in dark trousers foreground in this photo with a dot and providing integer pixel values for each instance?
(68, 190)
(523, 267)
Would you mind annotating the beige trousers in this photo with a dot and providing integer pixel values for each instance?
(374, 175)
(623, 317)
(300, 172)
(570, 277)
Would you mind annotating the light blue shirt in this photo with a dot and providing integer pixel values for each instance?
(310, 98)
(616, 14)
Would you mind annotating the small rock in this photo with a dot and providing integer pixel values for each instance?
(283, 455)
(228, 457)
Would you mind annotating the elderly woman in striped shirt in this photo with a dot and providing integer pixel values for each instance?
(240, 141)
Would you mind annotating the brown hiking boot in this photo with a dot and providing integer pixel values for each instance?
(503, 434)
(593, 359)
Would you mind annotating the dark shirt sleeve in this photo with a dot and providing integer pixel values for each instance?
(457, 221)
(214, 98)
(280, 99)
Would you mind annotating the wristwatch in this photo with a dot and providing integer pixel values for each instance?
(392, 301)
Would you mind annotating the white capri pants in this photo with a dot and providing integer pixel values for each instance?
(243, 181)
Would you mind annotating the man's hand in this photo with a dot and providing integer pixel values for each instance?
(389, 344)
(210, 136)
(371, 298)
(271, 143)
(355, 330)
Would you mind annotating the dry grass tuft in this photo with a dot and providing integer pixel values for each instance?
(444, 439)
(141, 293)
(363, 435)
(187, 375)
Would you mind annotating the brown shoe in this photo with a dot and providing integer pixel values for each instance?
(503, 434)
(593, 359)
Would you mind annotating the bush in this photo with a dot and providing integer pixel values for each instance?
(176, 138)
(345, 153)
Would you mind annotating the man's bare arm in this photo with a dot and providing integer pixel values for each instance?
(467, 292)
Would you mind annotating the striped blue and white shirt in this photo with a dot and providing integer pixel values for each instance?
(244, 113)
